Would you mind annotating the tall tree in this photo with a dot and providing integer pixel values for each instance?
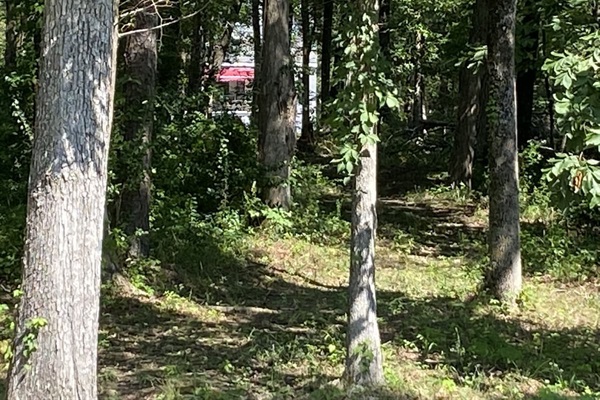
(364, 364)
(504, 278)
(527, 41)
(306, 138)
(472, 100)
(10, 36)
(140, 69)
(277, 105)
(67, 185)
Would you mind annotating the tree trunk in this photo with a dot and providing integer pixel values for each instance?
(277, 106)
(527, 72)
(67, 186)
(257, 41)
(169, 62)
(364, 360)
(306, 138)
(140, 55)
(419, 112)
(504, 278)
(197, 56)
(10, 37)
(326, 47)
(472, 100)
(222, 47)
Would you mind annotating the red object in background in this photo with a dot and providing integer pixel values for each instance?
(236, 74)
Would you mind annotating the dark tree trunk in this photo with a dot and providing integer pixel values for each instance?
(504, 278)
(277, 113)
(326, 46)
(10, 37)
(306, 139)
(140, 56)
(65, 213)
(257, 41)
(528, 41)
(472, 100)
(364, 360)
(197, 57)
(170, 62)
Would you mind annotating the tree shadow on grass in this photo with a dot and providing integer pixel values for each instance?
(258, 332)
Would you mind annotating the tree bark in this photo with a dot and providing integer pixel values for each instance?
(527, 72)
(326, 47)
(10, 37)
(197, 56)
(472, 100)
(222, 47)
(306, 138)
(67, 186)
(170, 62)
(364, 360)
(504, 278)
(277, 114)
(140, 67)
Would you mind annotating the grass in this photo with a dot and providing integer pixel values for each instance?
(266, 320)
(271, 325)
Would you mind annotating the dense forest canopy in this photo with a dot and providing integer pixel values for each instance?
(318, 199)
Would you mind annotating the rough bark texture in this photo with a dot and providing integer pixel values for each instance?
(504, 278)
(472, 100)
(277, 105)
(326, 46)
(140, 67)
(364, 361)
(63, 250)
(306, 138)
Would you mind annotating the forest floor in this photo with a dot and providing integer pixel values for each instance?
(271, 325)
(267, 320)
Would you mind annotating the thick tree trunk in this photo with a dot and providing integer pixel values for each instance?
(504, 278)
(306, 138)
(277, 114)
(326, 46)
(140, 56)
(257, 42)
(67, 186)
(364, 360)
(472, 100)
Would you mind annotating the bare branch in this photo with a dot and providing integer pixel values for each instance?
(133, 32)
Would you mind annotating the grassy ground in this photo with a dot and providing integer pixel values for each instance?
(270, 324)
(264, 316)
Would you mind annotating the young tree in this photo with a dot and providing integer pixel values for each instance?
(504, 278)
(472, 100)
(363, 345)
(140, 68)
(277, 105)
(67, 185)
